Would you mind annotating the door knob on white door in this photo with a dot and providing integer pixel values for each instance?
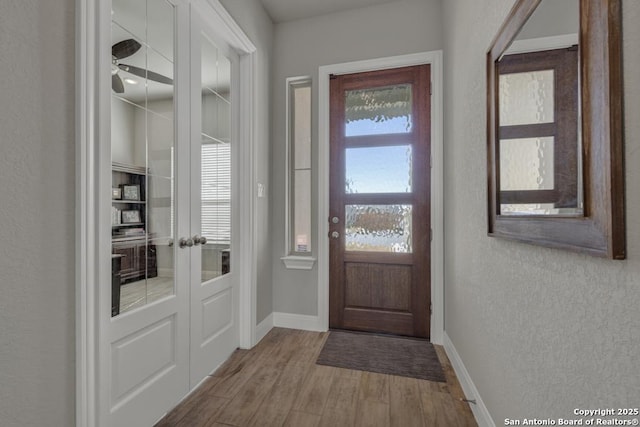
(197, 240)
(185, 242)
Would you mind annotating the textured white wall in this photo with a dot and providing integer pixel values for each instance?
(301, 47)
(541, 331)
(252, 18)
(37, 152)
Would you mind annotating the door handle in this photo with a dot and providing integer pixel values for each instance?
(185, 242)
(335, 220)
(197, 240)
(335, 234)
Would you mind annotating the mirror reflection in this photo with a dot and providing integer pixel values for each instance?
(215, 218)
(539, 141)
(142, 152)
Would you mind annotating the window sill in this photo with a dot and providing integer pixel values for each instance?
(298, 262)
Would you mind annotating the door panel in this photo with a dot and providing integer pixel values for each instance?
(380, 201)
(147, 342)
(374, 285)
(130, 371)
(214, 330)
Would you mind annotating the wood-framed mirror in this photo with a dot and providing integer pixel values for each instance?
(554, 127)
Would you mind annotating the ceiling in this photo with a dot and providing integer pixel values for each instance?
(290, 10)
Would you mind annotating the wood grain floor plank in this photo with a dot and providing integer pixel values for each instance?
(203, 411)
(315, 390)
(342, 403)
(453, 385)
(302, 419)
(434, 387)
(272, 338)
(310, 346)
(374, 387)
(248, 367)
(372, 414)
(234, 381)
(274, 410)
(405, 404)
(463, 409)
(443, 409)
(232, 363)
(288, 347)
(192, 400)
(433, 409)
(246, 402)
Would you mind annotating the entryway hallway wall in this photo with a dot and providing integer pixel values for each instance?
(540, 331)
(300, 48)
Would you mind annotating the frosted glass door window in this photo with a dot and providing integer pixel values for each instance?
(378, 228)
(302, 211)
(377, 111)
(300, 146)
(216, 162)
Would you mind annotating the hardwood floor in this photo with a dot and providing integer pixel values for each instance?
(277, 383)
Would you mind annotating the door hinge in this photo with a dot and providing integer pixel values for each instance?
(430, 88)
(430, 308)
(430, 161)
(431, 234)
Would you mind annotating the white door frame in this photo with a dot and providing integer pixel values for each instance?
(93, 161)
(434, 58)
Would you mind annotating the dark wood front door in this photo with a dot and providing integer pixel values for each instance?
(379, 223)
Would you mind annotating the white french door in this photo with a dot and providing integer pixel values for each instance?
(214, 152)
(174, 153)
(144, 338)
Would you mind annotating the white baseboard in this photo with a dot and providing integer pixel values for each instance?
(297, 321)
(263, 328)
(480, 411)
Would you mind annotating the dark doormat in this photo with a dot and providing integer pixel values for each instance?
(407, 357)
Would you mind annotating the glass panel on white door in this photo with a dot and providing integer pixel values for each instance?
(142, 152)
(215, 162)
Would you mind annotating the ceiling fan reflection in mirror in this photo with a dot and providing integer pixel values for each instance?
(122, 50)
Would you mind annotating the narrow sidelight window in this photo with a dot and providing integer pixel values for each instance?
(299, 158)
